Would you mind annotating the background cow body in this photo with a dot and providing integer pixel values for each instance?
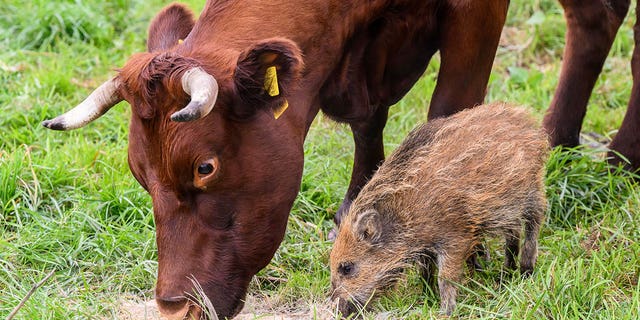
(591, 28)
(222, 186)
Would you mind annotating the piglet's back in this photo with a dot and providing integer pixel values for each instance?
(487, 153)
(477, 142)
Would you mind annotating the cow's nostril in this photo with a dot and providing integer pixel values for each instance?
(173, 307)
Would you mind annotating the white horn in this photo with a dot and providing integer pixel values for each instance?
(94, 106)
(203, 89)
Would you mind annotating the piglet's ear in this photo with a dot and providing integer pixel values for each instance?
(369, 227)
(266, 72)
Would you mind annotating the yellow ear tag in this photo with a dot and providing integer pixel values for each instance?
(280, 110)
(271, 85)
(271, 81)
(180, 41)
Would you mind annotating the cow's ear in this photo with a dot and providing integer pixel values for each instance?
(170, 26)
(266, 72)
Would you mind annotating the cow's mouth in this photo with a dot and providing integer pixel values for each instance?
(187, 309)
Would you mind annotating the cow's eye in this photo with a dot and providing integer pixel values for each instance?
(205, 168)
(206, 173)
(346, 268)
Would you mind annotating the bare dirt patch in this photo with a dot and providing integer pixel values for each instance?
(254, 309)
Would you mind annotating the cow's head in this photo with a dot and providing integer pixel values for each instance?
(204, 142)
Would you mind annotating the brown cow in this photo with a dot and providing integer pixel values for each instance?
(204, 140)
(591, 28)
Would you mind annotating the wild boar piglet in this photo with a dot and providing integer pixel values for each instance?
(452, 182)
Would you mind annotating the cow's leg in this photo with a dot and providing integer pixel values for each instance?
(591, 28)
(627, 141)
(468, 43)
(369, 154)
(467, 55)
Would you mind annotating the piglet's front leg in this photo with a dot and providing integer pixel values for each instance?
(450, 270)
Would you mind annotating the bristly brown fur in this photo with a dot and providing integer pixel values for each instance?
(450, 183)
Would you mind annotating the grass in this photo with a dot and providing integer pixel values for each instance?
(69, 203)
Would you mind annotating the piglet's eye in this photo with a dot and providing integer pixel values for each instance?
(346, 268)
(205, 168)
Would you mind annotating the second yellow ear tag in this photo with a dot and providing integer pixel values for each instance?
(280, 110)
(271, 81)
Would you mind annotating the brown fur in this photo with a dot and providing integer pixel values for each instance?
(174, 22)
(452, 182)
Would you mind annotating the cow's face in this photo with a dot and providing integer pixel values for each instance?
(205, 143)
(221, 194)
(222, 185)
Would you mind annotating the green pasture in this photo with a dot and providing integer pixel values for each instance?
(69, 204)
